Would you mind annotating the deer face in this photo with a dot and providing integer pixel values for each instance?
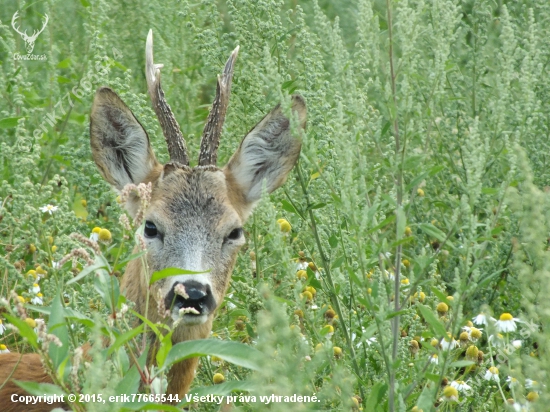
(193, 224)
(195, 217)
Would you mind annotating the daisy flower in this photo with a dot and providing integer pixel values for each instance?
(506, 323)
(94, 236)
(461, 386)
(448, 343)
(4, 349)
(2, 327)
(491, 374)
(497, 340)
(48, 209)
(35, 288)
(516, 343)
(434, 359)
(482, 319)
(450, 394)
(512, 381)
(530, 383)
(37, 300)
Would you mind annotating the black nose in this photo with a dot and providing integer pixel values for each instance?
(191, 295)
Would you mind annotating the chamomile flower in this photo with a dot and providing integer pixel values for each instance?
(35, 288)
(497, 340)
(370, 341)
(530, 383)
(461, 386)
(491, 374)
(506, 323)
(450, 394)
(95, 234)
(517, 343)
(4, 349)
(48, 209)
(434, 359)
(482, 319)
(2, 327)
(512, 381)
(37, 300)
(448, 343)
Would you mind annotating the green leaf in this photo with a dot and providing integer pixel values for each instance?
(442, 296)
(375, 396)
(131, 380)
(63, 64)
(316, 206)
(165, 273)
(337, 262)
(233, 352)
(24, 329)
(461, 364)
(100, 263)
(384, 223)
(9, 122)
(125, 337)
(164, 349)
(63, 80)
(58, 327)
(434, 232)
(426, 398)
(394, 314)
(429, 317)
(133, 256)
(37, 389)
(289, 207)
(401, 222)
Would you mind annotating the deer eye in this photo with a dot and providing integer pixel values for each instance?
(150, 229)
(235, 234)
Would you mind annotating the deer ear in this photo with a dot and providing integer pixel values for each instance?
(268, 152)
(120, 145)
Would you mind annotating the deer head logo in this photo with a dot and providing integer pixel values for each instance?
(28, 39)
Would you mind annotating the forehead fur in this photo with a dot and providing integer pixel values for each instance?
(193, 191)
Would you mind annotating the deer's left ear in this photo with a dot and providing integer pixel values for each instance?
(268, 152)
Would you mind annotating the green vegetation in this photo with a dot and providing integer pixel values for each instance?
(420, 201)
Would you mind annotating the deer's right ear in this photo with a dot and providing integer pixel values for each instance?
(120, 145)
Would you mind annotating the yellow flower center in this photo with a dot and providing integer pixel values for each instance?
(442, 307)
(96, 229)
(506, 316)
(450, 392)
(475, 333)
(31, 322)
(3, 347)
(493, 370)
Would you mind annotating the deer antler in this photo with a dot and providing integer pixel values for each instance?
(13, 19)
(168, 123)
(37, 32)
(213, 127)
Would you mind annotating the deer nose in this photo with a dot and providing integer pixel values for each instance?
(191, 298)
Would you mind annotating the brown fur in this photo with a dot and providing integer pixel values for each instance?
(25, 368)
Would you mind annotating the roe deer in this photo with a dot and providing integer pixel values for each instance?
(195, 217)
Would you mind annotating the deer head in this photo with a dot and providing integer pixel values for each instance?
(28, 39)
(196, 214)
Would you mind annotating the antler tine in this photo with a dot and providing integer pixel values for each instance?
(213, 127)
(168, 123)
